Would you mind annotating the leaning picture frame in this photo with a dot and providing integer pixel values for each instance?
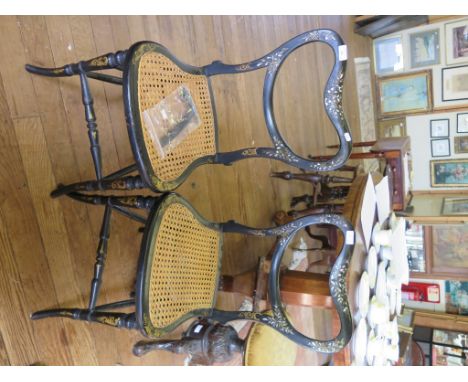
(425, 48)
(388, 54)
(455, 206)
(456, 43)
(440, 128)
(461, 145)
(403, 94)
(455, 83)
(449, 173)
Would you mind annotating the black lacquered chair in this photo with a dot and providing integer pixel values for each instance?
(151, 73)
(179, 269)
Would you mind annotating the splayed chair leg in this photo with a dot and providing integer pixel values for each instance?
(119, 320)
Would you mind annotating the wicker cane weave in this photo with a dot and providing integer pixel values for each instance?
(158, 76)
(184, 268)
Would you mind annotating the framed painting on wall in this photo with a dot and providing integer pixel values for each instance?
(456, 42)
(424, 48)
(455, 83)
(440, 147)
(462, 123)
(455, 206)
(456, 293)
(449, 173)
(461, 145)
(445, 258)
(402, 94)
(394, 127)
(447, 253)
(440, 128)
(388, 55)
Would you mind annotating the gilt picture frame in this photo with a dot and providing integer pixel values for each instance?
(461, 145)
(404, 94)
(449, 173)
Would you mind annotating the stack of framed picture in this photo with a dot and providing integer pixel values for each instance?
(421, 71)
(403, 87)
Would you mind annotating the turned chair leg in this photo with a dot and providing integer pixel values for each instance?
(84, 69)
(100, 258)
(119, 320)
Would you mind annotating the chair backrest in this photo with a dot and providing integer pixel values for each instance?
(337, 282)
(151, 73)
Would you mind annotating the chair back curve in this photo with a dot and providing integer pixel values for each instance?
(337, 282)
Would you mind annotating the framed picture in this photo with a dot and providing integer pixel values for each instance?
(388, 128)
(424, 48)
(403, 94)
(414, 236)
(449, 173)
(440, 128)
(456, 42)
(456, 302)
(455, 206)
(445, 258)
(440, 147)
(461, 145)
(462, 123)
(448, 255)
(455, 83)
(388, 55)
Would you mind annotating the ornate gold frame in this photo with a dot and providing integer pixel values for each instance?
(381, 80)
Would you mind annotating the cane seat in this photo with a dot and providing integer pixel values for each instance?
(180, 270)
(157, 77)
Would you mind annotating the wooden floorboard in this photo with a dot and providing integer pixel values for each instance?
(47, 246)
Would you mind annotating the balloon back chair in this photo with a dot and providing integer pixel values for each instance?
(179, 270)
(151, 73)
